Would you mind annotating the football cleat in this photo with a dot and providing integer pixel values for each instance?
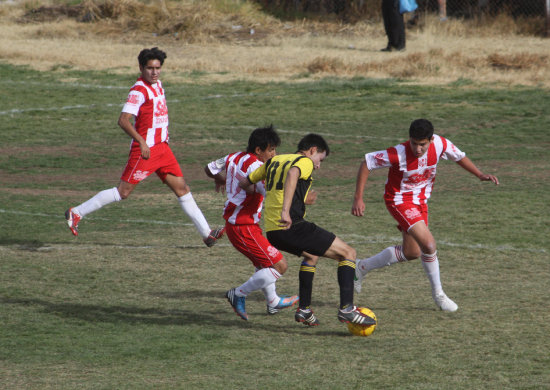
(72, 220)
(238, 303)
(306, 317)
(214, 235)
(358, 279)
(444, 302)
(354, 316)
(271, 310)
(287, 301)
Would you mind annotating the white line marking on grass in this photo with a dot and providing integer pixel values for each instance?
(140, 221)
(350, 238)
(358, 239)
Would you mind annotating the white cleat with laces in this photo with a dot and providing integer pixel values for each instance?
(444, 302)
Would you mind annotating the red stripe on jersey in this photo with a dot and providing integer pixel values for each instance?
(412, 160)
(395, 175)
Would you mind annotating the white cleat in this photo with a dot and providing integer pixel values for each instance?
(444, 302)
(358, 279)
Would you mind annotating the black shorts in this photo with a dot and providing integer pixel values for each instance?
(302, 237)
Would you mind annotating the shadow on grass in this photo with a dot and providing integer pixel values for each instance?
(157, 316)
(28, 245)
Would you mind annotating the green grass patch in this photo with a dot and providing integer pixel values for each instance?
(137, 301)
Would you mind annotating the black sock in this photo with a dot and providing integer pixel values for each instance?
(346, 274)
(305, 277)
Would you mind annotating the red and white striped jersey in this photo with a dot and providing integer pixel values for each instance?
(148, 104)
(411, 178)
(240, 208)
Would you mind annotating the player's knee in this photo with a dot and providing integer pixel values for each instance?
(429, 247)
(281, 266)
(349, 253)
(411, 255)
(124, 193)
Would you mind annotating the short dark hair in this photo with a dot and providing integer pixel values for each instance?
(312, 140)
(147, 55)
(263, 137)
(421, 129)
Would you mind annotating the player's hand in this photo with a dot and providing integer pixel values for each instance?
(145, 151)
(492, 178)
(285, 222)
(220, 184)
(358, 208)
(311, 197)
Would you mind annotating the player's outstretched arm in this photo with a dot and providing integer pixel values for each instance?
(469, 166)
(358, 207)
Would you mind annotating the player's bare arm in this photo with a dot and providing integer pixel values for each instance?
(469, 166)
(125, 122)
(219, 179)
(358, 207)
(290, 187)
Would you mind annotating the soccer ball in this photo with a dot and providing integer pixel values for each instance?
(363, 330)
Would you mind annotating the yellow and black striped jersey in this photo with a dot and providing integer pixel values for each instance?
(274, 173)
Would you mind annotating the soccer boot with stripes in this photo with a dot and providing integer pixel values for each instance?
(214, 236)
(238, 303)
(355, 317)
(306, 317)
(72, 220)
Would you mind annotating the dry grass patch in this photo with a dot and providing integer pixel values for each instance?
(214, 40)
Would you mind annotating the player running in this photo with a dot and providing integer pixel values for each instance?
(144, 118)
(412, 169)
(242, 213)
(288, 179)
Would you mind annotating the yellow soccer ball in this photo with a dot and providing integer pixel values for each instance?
(363, 330)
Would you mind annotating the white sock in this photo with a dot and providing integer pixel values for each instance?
(388, 256)
(259, 280)
(270, 294)
(190, 207)
(101, 199)
(431, 267)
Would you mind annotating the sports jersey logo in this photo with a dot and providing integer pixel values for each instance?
(272, 251)
(419, 178)
(422, 162)
(161, 109)
(139, 175)
(132, 99)
(412, 213)
(379, 159)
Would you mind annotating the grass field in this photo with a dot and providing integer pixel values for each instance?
(137, 301)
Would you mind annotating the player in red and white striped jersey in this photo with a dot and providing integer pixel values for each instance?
(242, 213)
(412, 169)
(144, 118)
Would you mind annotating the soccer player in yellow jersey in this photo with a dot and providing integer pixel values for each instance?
(288, 179)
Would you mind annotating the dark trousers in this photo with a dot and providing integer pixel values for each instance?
(394, 24)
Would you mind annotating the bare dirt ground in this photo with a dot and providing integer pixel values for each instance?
(437, 53)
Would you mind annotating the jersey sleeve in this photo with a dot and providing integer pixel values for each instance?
(217, 166)
(133, 102)
(258, 174)
(306, 167)
(451, 152)
(377, 160)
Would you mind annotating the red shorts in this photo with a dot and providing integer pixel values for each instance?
(407, 214)
(249, 240)
(161, 161)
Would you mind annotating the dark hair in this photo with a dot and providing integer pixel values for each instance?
(263, 137)
(147, 55)
(421, 129)
(312, 140)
